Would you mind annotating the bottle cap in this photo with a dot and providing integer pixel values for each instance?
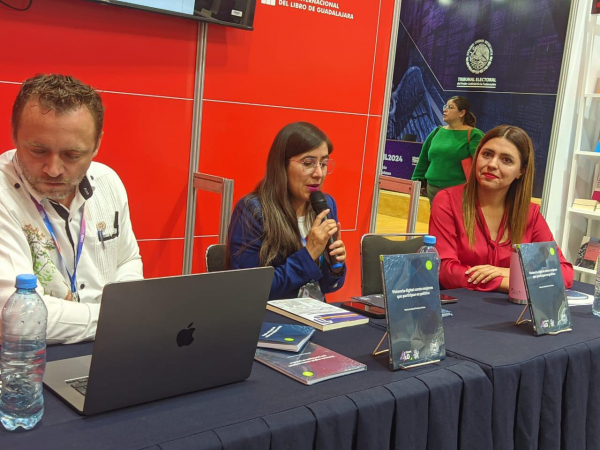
(429, 240)
(26, 281)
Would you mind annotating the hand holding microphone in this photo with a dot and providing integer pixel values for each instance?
(322, 233)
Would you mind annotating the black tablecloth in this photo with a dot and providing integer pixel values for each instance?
(546, 388)
(447, 405)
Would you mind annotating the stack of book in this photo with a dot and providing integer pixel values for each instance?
(596, 191)
(287, 349)
(283, 336)
(576, 298)
(585, 204)
(315, 313)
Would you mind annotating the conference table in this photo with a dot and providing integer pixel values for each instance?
(500, 388)
(546, 389)
(446, 405)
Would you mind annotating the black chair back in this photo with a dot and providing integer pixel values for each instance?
(374, 245)
(215, 258)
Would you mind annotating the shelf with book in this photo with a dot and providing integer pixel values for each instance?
(593, 215)
(584, 176)
(584, 270)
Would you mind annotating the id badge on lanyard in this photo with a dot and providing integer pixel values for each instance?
(50, 228)
(312, 289)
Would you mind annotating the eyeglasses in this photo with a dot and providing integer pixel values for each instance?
(309, 165)
(445, 107)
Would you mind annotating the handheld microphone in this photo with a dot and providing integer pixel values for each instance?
(319, 204)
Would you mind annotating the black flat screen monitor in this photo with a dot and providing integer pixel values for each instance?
(233, 13)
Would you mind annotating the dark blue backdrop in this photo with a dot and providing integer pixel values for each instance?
(518, 87)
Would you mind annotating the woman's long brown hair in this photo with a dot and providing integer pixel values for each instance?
(518, 196)
(281, 236)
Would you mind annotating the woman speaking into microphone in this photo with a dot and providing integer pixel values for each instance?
(276, 225)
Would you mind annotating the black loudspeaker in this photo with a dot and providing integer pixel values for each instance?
(233, 11)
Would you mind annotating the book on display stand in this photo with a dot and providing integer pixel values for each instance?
(546, 297)
(415, 330)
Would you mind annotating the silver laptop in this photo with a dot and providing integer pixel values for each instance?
(162, 337)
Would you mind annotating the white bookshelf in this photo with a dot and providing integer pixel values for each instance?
(585, 271)
(585, 165)
(592, 215)
(591, 155)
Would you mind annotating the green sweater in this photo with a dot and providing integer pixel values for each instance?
(442, 152)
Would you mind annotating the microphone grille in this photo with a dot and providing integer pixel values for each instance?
(318, 202)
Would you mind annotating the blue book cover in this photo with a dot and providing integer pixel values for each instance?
(576, 298)
(414, 310)
(286, 337)
(545, 287)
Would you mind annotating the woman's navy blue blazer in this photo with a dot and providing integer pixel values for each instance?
(291, 273)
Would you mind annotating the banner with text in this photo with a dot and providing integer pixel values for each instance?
(505, 57)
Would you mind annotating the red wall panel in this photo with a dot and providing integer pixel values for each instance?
(295, 65)
(147, 141)
(146, 63)
(110, 48)
(243, 155)
(8, 92)
(296, 58)
(162, 258)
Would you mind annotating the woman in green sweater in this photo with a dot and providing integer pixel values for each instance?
(445, 147)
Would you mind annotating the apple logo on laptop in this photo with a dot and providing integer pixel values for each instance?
(185, 336)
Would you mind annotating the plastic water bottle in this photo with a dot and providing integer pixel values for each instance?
(596, 304)
(429, 246)
(23, 357)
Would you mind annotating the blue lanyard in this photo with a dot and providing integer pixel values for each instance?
(50, 228)
(82, 227)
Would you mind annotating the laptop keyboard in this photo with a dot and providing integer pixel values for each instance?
(79, 384)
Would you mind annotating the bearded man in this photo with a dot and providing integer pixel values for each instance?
(63, 217)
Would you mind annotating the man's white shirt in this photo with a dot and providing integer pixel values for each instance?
(26, 246)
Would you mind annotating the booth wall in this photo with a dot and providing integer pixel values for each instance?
(296, 65)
